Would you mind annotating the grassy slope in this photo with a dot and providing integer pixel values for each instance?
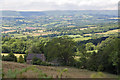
(51, 71)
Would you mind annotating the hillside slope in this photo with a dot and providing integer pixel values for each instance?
(51, 71)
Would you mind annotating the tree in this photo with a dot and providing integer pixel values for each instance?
(21, 59)
(62, 49)
(6, 48)
(25, 56)
(37, 48)
(90, 46)
(12, 56)
(108, 56)
(18, 46)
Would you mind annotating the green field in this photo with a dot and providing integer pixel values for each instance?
(19, 35)
(78, 37)
(82, 38)
(17, 55)
(74, 36)
(92, 51)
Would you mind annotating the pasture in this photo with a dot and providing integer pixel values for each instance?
(110, 31)
(17, 55)
(82, 38)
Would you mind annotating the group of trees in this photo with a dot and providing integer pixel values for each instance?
(15, 45)
(9, 57)
(106, 59)
(62, 49)
(12, 57)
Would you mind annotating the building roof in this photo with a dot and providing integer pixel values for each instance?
(40, 56)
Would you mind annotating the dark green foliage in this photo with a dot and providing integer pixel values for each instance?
(107, 59)
(25, 56)
(10, 57)
(94, 41)
(77, 64)
(62, 49)
(21, 59)
(18, 46)
(15, 45)
(6, 49)
(7, 58)
(110, 55)
(36, 48)
(92, 63)
(90, 46)
(36, 61)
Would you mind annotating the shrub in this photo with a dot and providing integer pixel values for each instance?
(36, 61)
(13, 56)
(25, 56)
(9, 57)
(21, 59)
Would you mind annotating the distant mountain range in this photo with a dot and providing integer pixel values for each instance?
(58, 13)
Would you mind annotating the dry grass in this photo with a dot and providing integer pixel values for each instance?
(83, 28)
(87, 34)
(113, 31)
(71, 26)
(44, 33)
(8, 31)
(110, 31)
(92, 27)
(51, 71)
(7, 27)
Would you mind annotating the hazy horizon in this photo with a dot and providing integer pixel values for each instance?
(55, 10)
(62, 5)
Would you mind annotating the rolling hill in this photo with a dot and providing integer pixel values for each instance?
(113, 13)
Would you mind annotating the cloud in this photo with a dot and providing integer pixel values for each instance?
(41, 5)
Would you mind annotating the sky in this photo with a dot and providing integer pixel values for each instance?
(45, 5)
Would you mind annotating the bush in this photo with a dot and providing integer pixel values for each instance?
(21, 59)
(25, 56)
(7, 58)
(77, 64)
(36, 61)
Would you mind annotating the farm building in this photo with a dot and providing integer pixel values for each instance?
(31, 56)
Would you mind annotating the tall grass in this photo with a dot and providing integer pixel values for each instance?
(15, 73)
